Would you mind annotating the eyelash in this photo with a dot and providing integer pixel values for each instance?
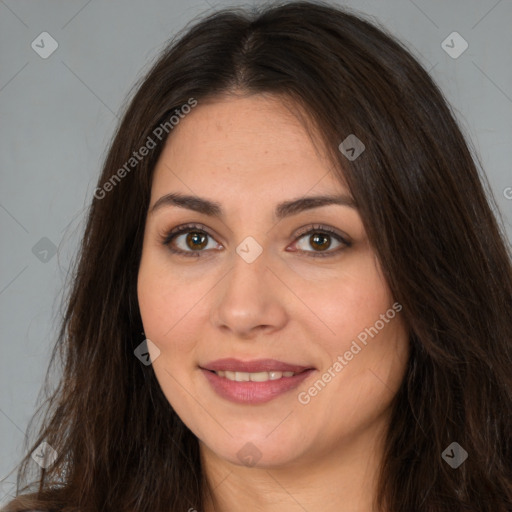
(168, 237)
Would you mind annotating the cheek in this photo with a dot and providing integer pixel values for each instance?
(167, 306)
(365, 329)
(358, 379)
(168, 310)
(351, 302)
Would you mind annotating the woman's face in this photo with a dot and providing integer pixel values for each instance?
(268, 281)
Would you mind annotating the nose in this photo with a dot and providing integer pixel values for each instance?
(250, 300)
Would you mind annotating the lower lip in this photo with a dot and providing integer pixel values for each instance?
(253, 392)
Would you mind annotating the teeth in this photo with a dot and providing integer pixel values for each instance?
(258, 377)
(253, 377)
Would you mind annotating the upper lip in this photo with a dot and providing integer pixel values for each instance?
(254, 366)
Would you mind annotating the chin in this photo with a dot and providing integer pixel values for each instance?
(255, 449)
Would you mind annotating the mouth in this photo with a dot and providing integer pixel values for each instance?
(253, 382)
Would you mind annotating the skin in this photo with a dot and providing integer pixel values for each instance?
(250, 153)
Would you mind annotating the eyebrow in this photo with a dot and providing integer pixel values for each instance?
(282, 210)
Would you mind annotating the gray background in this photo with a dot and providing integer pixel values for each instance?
(59, 113)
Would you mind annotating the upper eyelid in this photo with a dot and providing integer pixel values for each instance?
(319, 228)
(186, 228)
(306, 230)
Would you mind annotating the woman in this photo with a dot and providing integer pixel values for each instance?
(291, 292)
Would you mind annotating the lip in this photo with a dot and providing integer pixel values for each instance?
(252, 393)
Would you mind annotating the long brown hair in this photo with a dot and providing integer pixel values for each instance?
(121, 447)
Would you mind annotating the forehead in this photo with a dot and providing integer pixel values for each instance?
(244, 146)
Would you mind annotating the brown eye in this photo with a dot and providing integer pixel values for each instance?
(320, 241)
(196, 240)
(189, 240)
